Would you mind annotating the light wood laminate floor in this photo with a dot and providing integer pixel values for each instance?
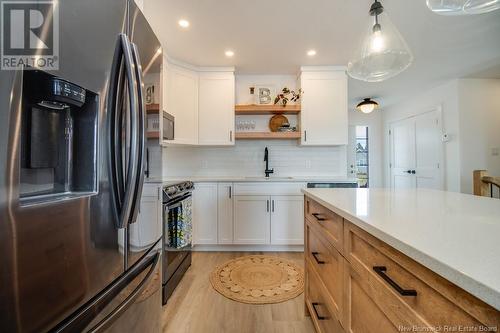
(195, 307)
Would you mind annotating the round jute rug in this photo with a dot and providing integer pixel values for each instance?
(258, 279)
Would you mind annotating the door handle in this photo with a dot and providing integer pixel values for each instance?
(314, 305)
(318, 217)
(319, 262)
(381, 271)
(123, 185)
(141, 120)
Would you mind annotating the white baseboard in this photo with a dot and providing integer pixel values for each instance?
(248, 248)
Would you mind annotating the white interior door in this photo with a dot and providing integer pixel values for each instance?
(428, 152)
(402, 136)
(416, 152)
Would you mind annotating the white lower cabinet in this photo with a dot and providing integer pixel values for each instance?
(252, 219)
(144, 232)
(287, 221)
(205, 213)
(248, 214)
(225, 213)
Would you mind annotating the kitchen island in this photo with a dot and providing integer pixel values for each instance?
(395, 260)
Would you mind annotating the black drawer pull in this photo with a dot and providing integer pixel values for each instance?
(318, 217)
(319, 262)
(314, 304)
(381, 271)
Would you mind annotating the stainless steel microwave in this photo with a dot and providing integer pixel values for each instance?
(168, 126)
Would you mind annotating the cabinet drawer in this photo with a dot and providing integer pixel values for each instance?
(437, 302)
(363, 314)
(268, 188)
(150, 190)
(328, 263)
(319, 308)
(331, 224)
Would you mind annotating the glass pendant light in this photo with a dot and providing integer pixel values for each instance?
(367, 105)
(383, 52)
(462, 7)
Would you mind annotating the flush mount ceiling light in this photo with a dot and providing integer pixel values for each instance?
(367, 105)
(311, 53)
(383, 52)
(183, 23)
(462, 7)
(229, 53)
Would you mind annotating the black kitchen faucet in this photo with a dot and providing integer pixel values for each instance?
(266, 159)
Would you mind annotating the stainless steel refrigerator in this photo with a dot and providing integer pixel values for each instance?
(71, 172)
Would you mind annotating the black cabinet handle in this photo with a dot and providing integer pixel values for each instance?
(314, 305)
(318, 217)
(267, 202)
(272, 206)
(319, 262)
(408, 171)
(381, 271)
(413, 172)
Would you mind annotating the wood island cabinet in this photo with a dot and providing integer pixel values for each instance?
(357, 283)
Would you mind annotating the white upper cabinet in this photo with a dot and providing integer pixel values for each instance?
(202, 101)
(324, 106)
(216, 109)
(182, 102)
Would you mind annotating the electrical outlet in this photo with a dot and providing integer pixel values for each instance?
(495, 151)
(308, 164)
(204, 164)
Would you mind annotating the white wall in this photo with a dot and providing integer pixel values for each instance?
(446, 97)
(479, 105)
(471, 117)
(375, 132)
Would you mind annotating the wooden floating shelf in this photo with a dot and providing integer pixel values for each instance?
(153, 108)
(254, 109)
(266, 135)
(153, 135)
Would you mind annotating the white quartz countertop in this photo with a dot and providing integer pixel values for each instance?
(237, 179)
(455, 235)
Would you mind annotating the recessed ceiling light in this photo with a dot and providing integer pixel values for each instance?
(229, 53)
(183, 23)
(311, 53)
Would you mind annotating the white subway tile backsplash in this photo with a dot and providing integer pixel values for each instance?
(246, 158)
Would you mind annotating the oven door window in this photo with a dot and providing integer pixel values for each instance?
(179, 224)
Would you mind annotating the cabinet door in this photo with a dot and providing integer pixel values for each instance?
(252, 219)
(205, 213)
(287, 220)
(324, 108)
(216, 109)
(225, 213)
(148, 227)
(182, 102)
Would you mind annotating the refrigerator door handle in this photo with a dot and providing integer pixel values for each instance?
(123, 185)
(140, 134)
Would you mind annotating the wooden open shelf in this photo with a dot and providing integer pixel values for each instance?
(153, 108)
(266, 135)
(254, 109)
(153, 135)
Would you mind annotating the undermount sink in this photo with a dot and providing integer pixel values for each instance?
(269, 178)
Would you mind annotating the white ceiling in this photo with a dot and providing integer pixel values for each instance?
(272, 37)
